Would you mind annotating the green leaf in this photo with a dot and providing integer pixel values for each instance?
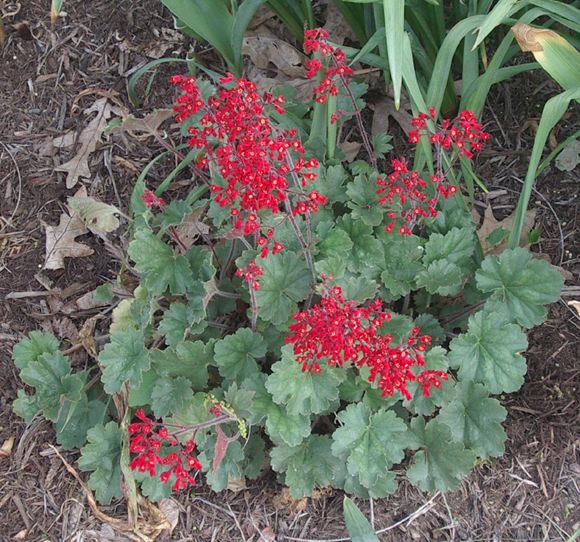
(25, 405)
(334, 243)
(236, 354)
(104, 292)
(213, 22)
(330, 182)
(447, 261)
(367, 250)
(102, 457)
(358, 526)
(281, 427)
(169, 395)
(53, 383)
(399, 279)
(141, 395)
(75, 419)
(441, 277)
(229, 469)
(195, 411)
(475, 420)
(188, 359)
(489, 352)
(285, 282)
(441, 462)
(435, 360)
(180, 321)
(364, 202)
(124, 359)
(239, 399)
(524, 283)
(370, 443)
(302, 392)
(381, 144)
(254, 456)
(32, 347)
(385, 484)
(152, 487)
(394, 13)
(456, 246)
(306, 467)
(159, 266)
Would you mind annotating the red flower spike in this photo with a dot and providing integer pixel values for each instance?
(146, 441)
(339, 331)
(252, 154)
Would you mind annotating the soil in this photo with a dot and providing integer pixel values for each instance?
(49, 75)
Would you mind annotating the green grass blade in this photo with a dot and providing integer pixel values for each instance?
(358, 527)
(292, 22)
(373, 42)
(394, 12)
(55, 9)
(354, 15)
(210, 20)
(136, 77)
(567, 15)
(553, 111)
(242, 19)
(503, 9)
(556, 151)
(442, 67)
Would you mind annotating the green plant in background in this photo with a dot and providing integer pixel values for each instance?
(221, 23)
(55, 9)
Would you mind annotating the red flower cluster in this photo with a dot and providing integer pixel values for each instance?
(410, 191)
(463, 133)
(250, 274)
(250, 153)
(333, 60)
(339, 331)
(147, 438)
(151, 200)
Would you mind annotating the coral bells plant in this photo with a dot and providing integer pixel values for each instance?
(325, 319)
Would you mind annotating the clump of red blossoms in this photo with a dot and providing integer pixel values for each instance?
(252, 155)
(147, 439)
(151, 200)
(408, 189)
(250, 274)
(338, 331)
(416, 197)
(332, 59)
(464, 133)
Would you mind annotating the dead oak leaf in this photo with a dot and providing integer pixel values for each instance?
(60, 241)
(89, 138)
(265, 48)
(144, 127)
(490, 228)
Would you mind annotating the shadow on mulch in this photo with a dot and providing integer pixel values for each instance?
(531, 493)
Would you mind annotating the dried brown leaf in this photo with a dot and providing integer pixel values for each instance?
(490, 224)
(65, 329)
(89, 138)
(350, 149)
(60, 241)
(191, 227)
(575, 305)
(142, 128)
(7, 446)
(265, 49)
